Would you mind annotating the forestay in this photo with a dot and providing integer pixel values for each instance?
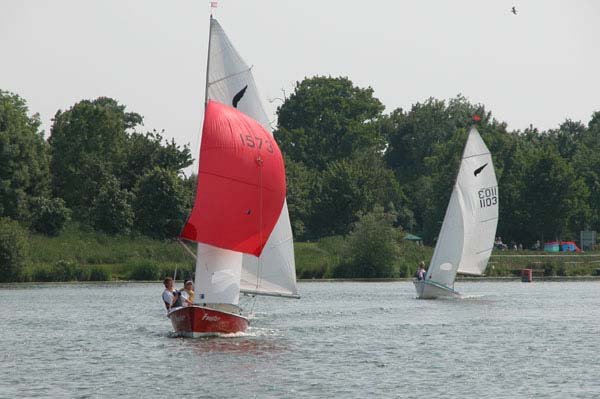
(230, 82)
(467, 235)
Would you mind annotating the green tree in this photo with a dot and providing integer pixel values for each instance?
(413, 134)
(586, 163)
(13, 250)
(300, 190)
(49, 215)
(349, 187)
(567, 138)
(328, 119)
(555, 199)
(161, 204)
(513, 213)
(146, 151)
(24, 158)
(88, 144)
(372, 247)
(112, 212)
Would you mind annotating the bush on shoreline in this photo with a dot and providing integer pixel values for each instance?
(13, 250)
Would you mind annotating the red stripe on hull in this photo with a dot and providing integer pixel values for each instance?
(197, 320)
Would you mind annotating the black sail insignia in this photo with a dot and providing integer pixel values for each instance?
(238, 97)
(479, 169)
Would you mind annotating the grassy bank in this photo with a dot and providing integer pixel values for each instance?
(80, 254)
(85, 255)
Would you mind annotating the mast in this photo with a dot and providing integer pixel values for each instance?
(208, 61)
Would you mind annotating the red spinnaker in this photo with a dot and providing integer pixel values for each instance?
(241, 183)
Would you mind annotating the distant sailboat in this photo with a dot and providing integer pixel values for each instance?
(466, 238)
(240, 217)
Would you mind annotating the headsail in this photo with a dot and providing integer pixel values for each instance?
(467, 235)
(230, 81)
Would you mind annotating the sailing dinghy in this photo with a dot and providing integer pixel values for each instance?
(240, 217)
(466, 238)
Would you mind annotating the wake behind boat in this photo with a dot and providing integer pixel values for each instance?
(467, 235)
(240, 218)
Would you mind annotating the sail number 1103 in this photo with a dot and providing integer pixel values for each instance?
(252, 141)
(488, 197)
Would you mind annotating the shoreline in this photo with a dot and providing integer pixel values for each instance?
(324, 280)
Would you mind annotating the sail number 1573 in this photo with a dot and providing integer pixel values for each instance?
(251, 141)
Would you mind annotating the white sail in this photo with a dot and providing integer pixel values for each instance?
(230, 82)
(467, 235)
(218, 275)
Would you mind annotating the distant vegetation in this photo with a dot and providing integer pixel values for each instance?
(100, 199)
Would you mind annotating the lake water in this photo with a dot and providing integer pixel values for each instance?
(364, 340)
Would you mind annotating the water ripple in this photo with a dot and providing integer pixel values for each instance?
(502, 340)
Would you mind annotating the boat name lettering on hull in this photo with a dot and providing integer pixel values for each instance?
(488, 196)
(210, 318)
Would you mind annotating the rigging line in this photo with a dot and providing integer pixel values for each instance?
(260, 215)
(228, 76)
(189, 251)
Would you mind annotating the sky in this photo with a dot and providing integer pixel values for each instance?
(538, 67)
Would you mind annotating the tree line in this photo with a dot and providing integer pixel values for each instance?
(345, 156)
(346, 159)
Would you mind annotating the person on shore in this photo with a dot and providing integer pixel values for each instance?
(421, 271)
(187, 293)
(170, 296)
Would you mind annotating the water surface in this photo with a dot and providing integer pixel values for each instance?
(506, 340)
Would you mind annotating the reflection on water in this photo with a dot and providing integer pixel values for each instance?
(235, 345)
(503, 340)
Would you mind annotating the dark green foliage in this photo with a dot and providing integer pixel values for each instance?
(328, 119)
(349, 187)
(49, 216)
(62, 270)
(112, 212)
(99, 274)
(13, 250)
(300, 190)
(372, 247)
(145, 271)
(24, 158)
(144, 152)
(161, 204)
(331, 135)
(413, 135)
(43, 274)
(88, 144)
(343, 158)
(555, 200)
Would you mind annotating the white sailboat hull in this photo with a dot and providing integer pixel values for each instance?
(432, 290)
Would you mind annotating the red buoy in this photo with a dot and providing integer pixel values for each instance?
(527, 275)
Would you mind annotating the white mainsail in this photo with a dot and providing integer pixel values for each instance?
(230, 81)
(467, 235)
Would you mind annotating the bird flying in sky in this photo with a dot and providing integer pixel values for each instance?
(514, 10)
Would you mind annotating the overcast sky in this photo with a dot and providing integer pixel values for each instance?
(537, 67)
